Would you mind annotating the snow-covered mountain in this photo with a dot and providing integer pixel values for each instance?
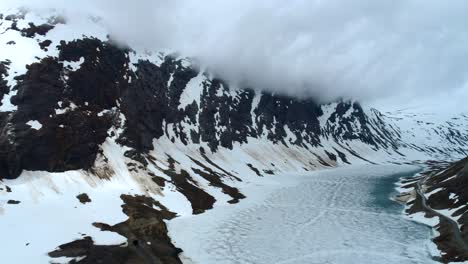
(87, 126)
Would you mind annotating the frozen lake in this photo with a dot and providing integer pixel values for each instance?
(336, 216)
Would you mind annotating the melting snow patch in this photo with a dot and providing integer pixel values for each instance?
(66, 260)
(6, 105)
(449, 214)
(192, 91)
(34, 124)
(73, 65)
(169, 82)
(327, 110)
(449, 179)
(154, 57)
(452, 196)
(420, 218)
(433, 192)
(63, 111)
(58, 216)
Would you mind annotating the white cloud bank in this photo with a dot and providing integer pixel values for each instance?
(405, 51)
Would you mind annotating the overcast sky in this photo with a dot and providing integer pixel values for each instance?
(392, 53)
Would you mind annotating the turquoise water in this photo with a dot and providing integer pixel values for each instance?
(384, 189)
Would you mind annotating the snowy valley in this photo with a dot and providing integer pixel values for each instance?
(118, 155)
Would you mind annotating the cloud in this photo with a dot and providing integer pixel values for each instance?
(402, 52)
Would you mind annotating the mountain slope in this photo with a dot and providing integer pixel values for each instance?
(82, 116)
(437, 198)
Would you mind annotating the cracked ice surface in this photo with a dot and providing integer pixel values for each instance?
(333, 216)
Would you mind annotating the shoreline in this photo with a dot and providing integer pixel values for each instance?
(406, 195)
(447, 240)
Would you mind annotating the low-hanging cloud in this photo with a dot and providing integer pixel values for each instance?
(403, 50)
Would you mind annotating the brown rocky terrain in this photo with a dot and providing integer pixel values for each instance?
(447, 184)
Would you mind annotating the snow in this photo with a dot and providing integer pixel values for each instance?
(64, 110)
(74, 65)
(186, 62)
(50, 198)
(59, 217)
(65, 260)
(171, 78)
(421, 218)
(452, 196)
(34, 124)
(255, 102)
(174, 200)
(449, 214)
(290, 136)
(445, 212)
(118, 162)
(154, 57)
(309, 204)
(449, 178)
(26, 51)
(6, 105)
(192, 91)
(327, 110)
(431, 131)
(400, 187)
(433, 192)
(320, 217)
(348, 112)
(220, 91)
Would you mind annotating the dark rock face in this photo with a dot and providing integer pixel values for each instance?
(146, 233)
(45, 44)
(145, 102)
(100, 80)
(69, 139)
(83, 198)
(92, 86)
(32, 30)
(199, 199)
(274, 112)
(68, 105)
(13, 202)
(214, 179)
(342, 126)
(227, 112)
(76, 106)
(451, 179)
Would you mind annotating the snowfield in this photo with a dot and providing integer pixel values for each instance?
(330, 216)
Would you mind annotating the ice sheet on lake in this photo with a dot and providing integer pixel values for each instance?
(323, 217)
